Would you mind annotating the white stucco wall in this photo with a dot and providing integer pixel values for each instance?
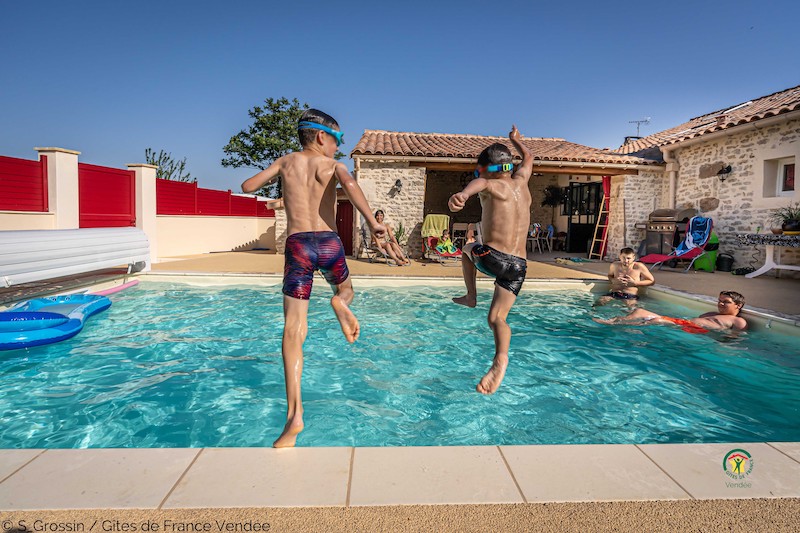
(187, 235)
(18, 220)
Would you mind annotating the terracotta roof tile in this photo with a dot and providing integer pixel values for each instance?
(411, 144)
(751, 111)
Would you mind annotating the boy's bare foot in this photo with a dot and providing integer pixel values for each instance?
(292, 428)
(347, 319)
(469, 301)
(494, 377)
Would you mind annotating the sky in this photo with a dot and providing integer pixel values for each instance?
(110, 79)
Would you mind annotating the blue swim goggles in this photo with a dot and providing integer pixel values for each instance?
(505, 167)
(338, 135)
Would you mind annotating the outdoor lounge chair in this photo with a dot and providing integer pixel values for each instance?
(442, 257)
(368, 248)
(432, 226)
(698, 232)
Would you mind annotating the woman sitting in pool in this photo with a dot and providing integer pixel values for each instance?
(389, 243)
(729, 305)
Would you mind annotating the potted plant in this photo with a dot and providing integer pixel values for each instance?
(553, 197)
(788, 218)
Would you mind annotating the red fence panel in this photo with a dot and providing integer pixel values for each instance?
(176, 197)
(23, 184)
(182, 198)
(243, 206)
(106, 197)
(211, 202)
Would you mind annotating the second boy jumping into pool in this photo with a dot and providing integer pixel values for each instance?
(506, 215)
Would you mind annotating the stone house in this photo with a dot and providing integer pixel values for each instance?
(410, 175)
(734, 165)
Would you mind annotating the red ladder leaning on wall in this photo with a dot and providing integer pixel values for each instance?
(601, 227)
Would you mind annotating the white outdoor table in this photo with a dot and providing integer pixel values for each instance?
(770, 241)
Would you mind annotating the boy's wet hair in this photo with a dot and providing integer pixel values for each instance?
(627, 251)
(737, 298)
(494, 154)
(307, 136)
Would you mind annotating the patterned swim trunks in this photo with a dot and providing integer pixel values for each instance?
(310, 251)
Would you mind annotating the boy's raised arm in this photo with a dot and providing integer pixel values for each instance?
(266, 176)
(357, 198)
(457, 201)
(526, 168)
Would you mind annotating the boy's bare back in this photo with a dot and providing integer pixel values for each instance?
(309, 191)
(506, 207)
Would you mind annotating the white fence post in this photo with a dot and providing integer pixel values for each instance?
(145, 176)
(62, 186)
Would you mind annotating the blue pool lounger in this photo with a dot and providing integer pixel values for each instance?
(47, 320)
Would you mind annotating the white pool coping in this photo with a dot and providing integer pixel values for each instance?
(188, 478)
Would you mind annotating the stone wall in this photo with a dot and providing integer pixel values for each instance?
(403, 206)
(633, 198)
(737, 205)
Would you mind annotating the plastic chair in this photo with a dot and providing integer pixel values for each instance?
(460, 233)
(546, 237)
(534, 231)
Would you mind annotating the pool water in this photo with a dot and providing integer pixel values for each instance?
(172, 365)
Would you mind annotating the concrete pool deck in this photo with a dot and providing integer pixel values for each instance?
(662, 487)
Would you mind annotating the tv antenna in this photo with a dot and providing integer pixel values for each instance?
(639, 123)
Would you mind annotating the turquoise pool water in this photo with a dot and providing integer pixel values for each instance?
(178, 366)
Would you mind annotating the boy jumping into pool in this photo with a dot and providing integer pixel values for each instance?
(729, 304)
(506, 204)
(309, 195)
(626, 276)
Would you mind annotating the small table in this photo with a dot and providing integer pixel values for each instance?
(770, 242)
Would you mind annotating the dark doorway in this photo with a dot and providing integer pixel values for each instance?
(583, 204)
(344, 225)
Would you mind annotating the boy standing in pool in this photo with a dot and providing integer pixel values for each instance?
(309, 196)
(626, 276)
(506, 215)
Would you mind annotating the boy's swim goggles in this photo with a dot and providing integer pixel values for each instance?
(505, 167)
(338, 135)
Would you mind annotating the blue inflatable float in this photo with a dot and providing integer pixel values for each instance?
(47, 320)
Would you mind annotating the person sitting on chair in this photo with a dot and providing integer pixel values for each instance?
(445, 245)
(388, 243)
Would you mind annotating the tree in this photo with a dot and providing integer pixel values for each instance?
(168, 168)
(272, 135)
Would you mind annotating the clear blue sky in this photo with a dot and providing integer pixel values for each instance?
(110, 78)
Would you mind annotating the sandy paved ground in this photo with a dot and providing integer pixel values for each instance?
(754, 515)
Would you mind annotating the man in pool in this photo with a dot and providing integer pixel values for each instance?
(729, 304)
(626, 276)
(506, 215)
(309, 195)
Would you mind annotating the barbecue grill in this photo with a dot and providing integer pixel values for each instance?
(666, 229)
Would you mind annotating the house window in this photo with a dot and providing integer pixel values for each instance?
(786, 178)
(779, 177)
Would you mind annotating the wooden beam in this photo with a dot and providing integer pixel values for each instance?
(541, 169)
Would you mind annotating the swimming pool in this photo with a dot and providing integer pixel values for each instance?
(173, 365)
